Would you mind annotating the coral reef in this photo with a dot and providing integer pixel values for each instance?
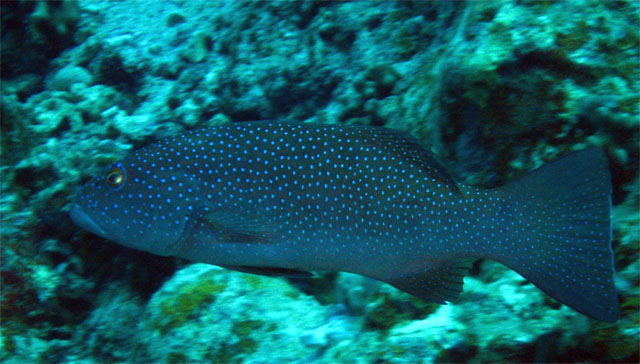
(493, 88)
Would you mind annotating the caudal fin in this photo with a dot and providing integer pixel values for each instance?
(564, 241)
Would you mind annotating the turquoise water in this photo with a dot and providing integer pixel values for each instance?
(493, 89)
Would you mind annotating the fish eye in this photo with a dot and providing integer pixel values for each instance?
(115, 178)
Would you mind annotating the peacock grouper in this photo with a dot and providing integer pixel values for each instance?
(280, 198)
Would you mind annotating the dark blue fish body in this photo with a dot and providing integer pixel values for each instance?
(284, 198)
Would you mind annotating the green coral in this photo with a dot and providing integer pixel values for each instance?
(177, 358)
(574, 38)
(611, 339)
(175, 311)
(224, 354)
(230, 353)
(386, 312)
(254, 281)
(244, 328)
(246, 346)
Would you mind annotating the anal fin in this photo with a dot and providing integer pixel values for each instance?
(270, 271)
(437, 285)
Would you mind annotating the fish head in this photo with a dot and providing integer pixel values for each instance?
(136, 204)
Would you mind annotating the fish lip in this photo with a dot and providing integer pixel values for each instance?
(84, 221)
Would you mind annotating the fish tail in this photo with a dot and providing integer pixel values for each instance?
(562, 214)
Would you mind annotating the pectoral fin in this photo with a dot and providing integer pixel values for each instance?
(237, 229)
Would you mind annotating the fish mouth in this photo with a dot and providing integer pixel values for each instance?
(84, 221)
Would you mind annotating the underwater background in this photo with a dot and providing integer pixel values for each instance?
(493, 88)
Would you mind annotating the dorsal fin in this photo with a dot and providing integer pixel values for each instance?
(409, 149)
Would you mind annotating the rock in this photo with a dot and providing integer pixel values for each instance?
(231, 316)
(68, 76)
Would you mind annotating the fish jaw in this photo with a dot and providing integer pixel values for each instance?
(113, 231)
(84, 221)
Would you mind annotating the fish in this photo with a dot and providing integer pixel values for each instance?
(288, 199)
